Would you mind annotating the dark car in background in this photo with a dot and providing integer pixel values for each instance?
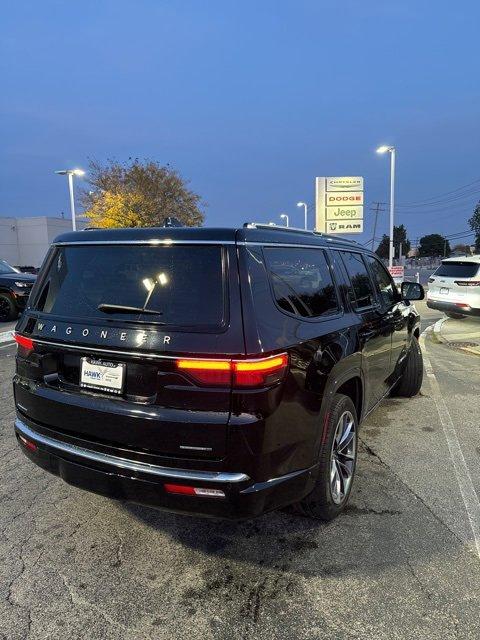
(221, 372)
(15, 288)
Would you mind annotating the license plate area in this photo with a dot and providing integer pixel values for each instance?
(102, 375)
(444, 291)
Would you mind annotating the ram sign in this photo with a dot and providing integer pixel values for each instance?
(339, 204)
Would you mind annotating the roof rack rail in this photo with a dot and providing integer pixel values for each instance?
(277, 227)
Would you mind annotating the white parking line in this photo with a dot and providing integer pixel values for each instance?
(465, 484)
(6, 336)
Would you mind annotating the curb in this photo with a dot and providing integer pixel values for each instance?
(440, 338)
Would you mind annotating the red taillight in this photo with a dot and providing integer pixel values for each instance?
(260, 372)
(23, 341)
(202, 492)
(211, 372)
(468, 283)
(28, 444)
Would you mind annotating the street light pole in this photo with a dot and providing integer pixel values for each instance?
(70, 173)
(392, 203)
(391, 151)
(283, 216)
(72, 200)
(304, 205)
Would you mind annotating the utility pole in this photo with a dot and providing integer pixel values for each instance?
(377, 209)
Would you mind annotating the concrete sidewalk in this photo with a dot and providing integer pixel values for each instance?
(459, 334)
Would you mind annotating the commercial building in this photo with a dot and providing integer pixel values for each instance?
(24, 241)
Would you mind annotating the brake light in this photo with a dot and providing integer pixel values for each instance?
(23, 341)
(211, 372)
(185, 490)
(260, 372)
(468, 283)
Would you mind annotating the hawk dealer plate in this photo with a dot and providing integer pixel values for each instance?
(103, 376)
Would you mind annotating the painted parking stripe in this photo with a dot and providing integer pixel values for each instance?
(464, 480)
(6, 336)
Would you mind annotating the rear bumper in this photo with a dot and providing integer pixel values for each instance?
(452, 307)
(143, 483)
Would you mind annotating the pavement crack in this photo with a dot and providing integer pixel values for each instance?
(79, 601)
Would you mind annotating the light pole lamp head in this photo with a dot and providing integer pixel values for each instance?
(301, 204)
(66, 172)
(384, 148)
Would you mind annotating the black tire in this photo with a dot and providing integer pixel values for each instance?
(321, 503)
(8, 310)
(455, 316)
(410, 382)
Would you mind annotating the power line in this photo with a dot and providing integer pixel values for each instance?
(441, 195)
(377, 209)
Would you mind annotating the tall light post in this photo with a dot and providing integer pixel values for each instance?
(70, 173)
(391, 150)
(305, 209)
(283, 216)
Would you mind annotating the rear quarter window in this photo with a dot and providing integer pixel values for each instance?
(301, 281)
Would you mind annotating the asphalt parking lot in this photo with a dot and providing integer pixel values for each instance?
(402, 562)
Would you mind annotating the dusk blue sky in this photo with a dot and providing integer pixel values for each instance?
(249, 100)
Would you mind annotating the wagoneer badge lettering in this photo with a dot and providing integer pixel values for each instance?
(138, 337)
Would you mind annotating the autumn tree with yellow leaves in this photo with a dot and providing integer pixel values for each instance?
(138, 194)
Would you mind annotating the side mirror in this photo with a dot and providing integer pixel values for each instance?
(412, 291)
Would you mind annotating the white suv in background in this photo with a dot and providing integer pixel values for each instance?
(455, 287)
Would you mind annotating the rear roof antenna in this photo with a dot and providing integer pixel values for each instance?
(171, 221)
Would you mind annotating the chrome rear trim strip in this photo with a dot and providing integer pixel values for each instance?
(87, 348)
(131, 465)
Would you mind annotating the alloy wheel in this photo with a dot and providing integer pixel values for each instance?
(342, 465)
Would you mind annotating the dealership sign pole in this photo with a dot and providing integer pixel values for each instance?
(339, 204)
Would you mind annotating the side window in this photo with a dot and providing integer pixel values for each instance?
(384, 280)
(363, 295)
(301, 280)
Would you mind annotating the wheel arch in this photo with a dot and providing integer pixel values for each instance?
(353, 388)
(351, 384)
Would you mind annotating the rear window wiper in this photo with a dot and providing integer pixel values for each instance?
(120, 308)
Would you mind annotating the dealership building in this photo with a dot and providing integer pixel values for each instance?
(25, 241)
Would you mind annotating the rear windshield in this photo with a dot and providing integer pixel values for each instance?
(457, 269)
(184, 284)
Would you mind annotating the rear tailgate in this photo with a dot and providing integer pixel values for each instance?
(159, 407)
(453, 281)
